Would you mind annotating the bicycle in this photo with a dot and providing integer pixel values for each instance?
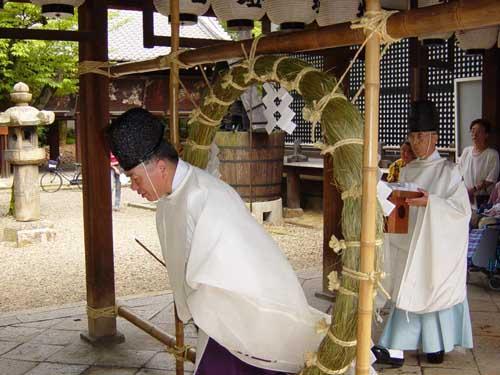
(52, 180)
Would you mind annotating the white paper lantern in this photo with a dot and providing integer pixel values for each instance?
(189, 10)
(439, 38)
(332, 12)
(292, 14)
(239, 14)
(477, 40)
(58, 8)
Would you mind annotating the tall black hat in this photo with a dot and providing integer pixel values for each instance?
(134, 137)
(423, 117)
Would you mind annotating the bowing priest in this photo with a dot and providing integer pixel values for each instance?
(428, 265)
(228, 275)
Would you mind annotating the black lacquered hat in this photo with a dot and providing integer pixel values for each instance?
(423, 117)
(134, 137)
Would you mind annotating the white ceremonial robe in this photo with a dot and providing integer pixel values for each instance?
(428, 266)
(231, 278)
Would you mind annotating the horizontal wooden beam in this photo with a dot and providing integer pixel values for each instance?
(436, 19)
(153, 331)
(38, 34)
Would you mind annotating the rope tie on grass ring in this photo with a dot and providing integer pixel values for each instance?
(313, 113)
(95, 67)
(330, 149)
(273, 76)
(198, 115)
(296, 82)
(250, 60)
(103, 312)
(312, 360)
(374, 277)
(180, 353)
(195, 146)
(334, 284)
(227, 80)
(322, 327)
(354, 192)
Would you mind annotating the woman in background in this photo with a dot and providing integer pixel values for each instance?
(407, 156)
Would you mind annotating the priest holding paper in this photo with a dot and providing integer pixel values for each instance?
(428, 265)
(228, 275)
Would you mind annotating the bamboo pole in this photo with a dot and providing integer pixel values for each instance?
(369, 198)
(154, 331)
(174, 76)
(455, 15)
(173, 100)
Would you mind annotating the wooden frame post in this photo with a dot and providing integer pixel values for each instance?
(94, 116)
(369, 197)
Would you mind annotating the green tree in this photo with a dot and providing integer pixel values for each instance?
(47, 67)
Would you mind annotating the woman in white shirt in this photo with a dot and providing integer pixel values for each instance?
(479, 163)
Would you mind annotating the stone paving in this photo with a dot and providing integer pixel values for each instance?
(47, 341)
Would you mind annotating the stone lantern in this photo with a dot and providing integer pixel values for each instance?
(23, 151)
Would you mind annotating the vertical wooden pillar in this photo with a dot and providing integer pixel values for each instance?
(419, 66)
(491, 93)
(369, 198)
(336, 61)
(419, 70)
(174, 76)
(94, 115)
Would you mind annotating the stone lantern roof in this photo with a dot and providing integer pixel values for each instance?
(22, 114)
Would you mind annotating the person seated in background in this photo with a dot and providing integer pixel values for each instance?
(479, 164)
(406, 156)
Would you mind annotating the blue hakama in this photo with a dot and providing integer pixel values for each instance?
(429, 333)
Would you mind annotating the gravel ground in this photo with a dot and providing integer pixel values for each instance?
(54, 273)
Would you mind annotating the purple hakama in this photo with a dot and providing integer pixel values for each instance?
(217, 360)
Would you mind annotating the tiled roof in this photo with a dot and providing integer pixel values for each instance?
(125, 34)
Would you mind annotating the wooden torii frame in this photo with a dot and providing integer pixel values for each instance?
(92, 36)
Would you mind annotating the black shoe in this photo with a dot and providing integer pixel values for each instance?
(435, 358)
(384, 358)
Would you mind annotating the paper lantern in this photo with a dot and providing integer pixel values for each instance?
(477, 40)
(292, 14)
(189, 10)
(58, 8)
(332, 12)
(431, 39)
(239, 14)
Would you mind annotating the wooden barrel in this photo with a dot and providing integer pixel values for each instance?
(254, 169)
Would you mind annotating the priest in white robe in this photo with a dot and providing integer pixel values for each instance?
(226, 272)
(428, 266)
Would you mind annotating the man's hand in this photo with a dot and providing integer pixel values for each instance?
(420, 201)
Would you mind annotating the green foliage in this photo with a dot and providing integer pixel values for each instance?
(256, 31)
(42, 132)
(40, 64)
